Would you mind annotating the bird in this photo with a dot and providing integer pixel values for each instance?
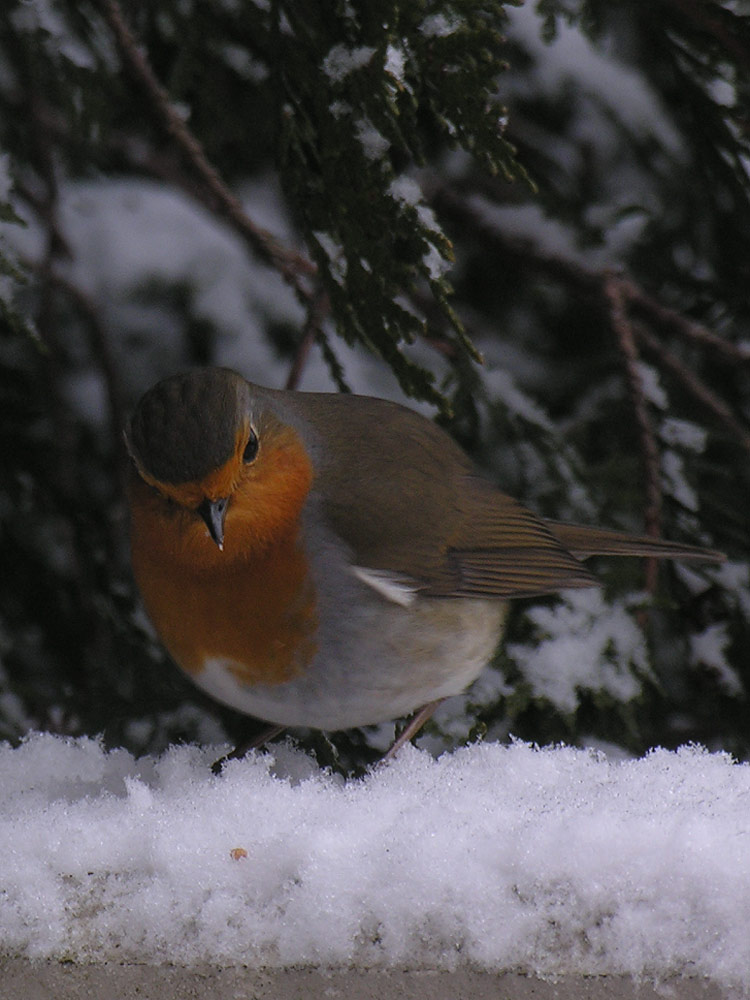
(331, 560)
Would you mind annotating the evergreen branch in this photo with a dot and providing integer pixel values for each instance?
(215, 194)
(587, 280)
(694, 385)
(669, 319)
(99, 345)
(614, 294)
(719, 23)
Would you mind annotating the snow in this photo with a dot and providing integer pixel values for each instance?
(337, 261)
(684, 433)
(548, 861)
(530, 222)
(501, 384)
(395, 62)
(40, 17)
(651, 386)
(341, 61)
(406, 190)
(134, 236)
(707, 649)
(582, 643)
(374, 143)
(435, 264)
(572, 57)
(674, 480)
(340, 108)
(439, 26)
(734, 577)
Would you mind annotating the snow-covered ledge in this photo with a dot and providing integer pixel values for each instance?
(537, 871)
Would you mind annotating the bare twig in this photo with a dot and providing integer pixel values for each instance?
(587, 280)
(688, 329)
(214, 193)
(615, 297)
(316, 313)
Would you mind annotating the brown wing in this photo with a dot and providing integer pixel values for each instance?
(500, 549)
(584, 541)
(408, 502)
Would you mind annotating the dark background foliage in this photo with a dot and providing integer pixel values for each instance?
(318, 194)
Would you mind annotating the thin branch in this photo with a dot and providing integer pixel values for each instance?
(688, 329)
(586, 280)
(615, 296)
(589, 282)
(714, 20)
(317, 311)
(214, 193)
(693, 384)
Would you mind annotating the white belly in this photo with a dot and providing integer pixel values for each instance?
(378, 662)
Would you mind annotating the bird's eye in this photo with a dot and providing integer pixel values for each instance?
(251, 448)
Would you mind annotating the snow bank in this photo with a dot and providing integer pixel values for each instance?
(549, 861)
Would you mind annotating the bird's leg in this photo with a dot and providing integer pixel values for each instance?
(265, 736)
(411, 728)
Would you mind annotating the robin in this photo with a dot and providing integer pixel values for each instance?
(331, 560)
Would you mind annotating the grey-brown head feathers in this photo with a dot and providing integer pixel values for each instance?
(186, 425)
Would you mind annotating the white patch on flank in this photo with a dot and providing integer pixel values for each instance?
(388, 585)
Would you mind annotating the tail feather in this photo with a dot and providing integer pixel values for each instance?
(583, 542)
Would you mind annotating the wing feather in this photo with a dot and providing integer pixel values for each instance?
(417, 518)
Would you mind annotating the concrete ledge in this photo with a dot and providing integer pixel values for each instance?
(21, 979)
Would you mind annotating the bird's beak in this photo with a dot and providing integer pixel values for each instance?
(213, 513)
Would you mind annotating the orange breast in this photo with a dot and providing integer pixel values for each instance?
(252, 604)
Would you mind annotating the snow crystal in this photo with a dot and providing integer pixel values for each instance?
(501, 383)
(582, 643)
(651, 385)
(427, 217)
(395, 62)
(674, 480)
(335, 254)
(341, 61)
(707, 650)
(734, 577)
(439, 26)
(40, 16)
(405, 189)
(435, 263)
(684, 433)
(548, 861)
(529, 222)
(340, 108)
(722, 91)
(244, 64)
(374, 144)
